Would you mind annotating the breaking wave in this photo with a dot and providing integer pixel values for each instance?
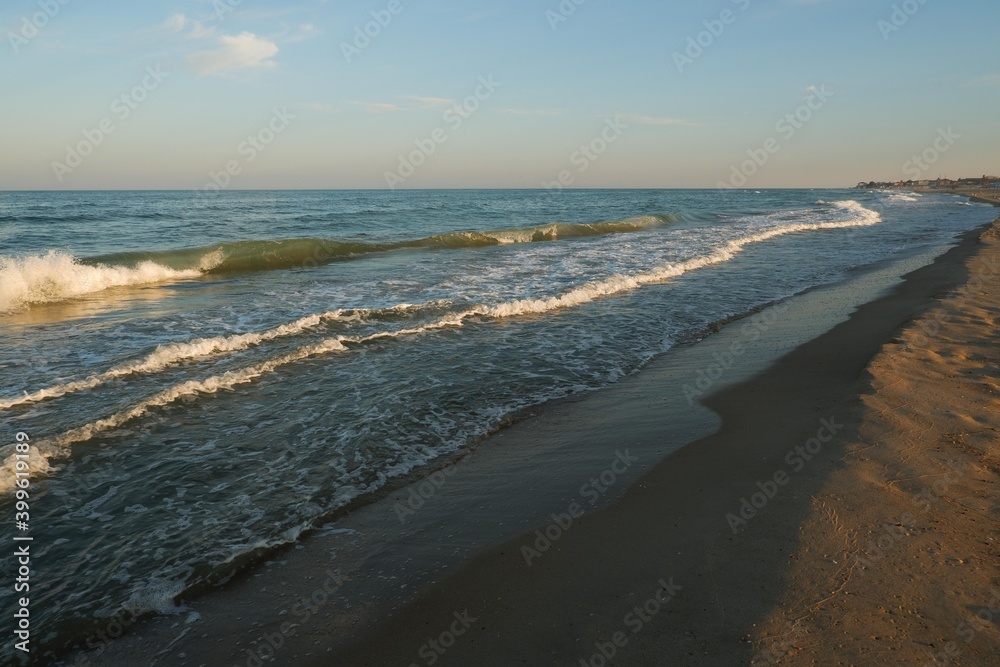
(858, 216)
(58, 276)
(170, 354)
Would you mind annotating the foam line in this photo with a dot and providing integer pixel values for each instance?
(173, 353)
(861, 217)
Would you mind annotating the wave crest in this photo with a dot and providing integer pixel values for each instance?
(858, 216)
(170, 354)
(57, 276)
(246, 256)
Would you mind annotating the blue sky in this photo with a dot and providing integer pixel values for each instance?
(266, 90)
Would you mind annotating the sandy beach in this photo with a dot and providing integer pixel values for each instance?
(469, 334)
(898, 556)
(842, 513)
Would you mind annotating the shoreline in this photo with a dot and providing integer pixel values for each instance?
(712, 585)
(912, 510)
(343, 548)
(983, 196)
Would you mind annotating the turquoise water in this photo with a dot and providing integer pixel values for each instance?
(204, 376)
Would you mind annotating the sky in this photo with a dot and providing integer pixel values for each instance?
(317, 94)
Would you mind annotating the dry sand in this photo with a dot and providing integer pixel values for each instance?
(899, 557)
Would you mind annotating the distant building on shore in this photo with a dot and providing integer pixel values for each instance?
(939, 183)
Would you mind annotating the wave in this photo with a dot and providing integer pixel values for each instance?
(246, 256)
(859, 216)
(80, 217)
(42, 452)
(862, 217)
(170, 354)
(58, 446)
(58, 276)
(897, 197)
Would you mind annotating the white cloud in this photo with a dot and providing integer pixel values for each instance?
(178, 22)
(243, 51)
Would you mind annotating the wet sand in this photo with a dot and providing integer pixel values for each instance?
(746, 546)
(900, 553)
(678, 568)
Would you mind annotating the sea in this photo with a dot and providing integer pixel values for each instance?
(200, 377)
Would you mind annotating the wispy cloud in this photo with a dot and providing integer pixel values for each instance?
(175, 23)
(427, 102)
(378, 107)
(412, 102)
(656, 120)
(532, 112)
(180, 23)
(315, 106)
(236, 52)
(301, 33)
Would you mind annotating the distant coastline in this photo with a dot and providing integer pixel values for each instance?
(985, 189)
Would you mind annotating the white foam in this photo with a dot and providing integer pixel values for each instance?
(899, 197)
(210, 385)
(56, 276)
(37, 462)
(212, 260)
(859, 217)
(174, 353)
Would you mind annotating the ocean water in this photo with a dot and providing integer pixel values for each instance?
(203, 376)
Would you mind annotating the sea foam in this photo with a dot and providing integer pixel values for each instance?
(857, 216)
(57, 276)
(170, 354)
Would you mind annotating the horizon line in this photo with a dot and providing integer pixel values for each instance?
(440, 189)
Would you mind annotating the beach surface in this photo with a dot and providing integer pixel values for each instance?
(898, 556)
(766, 541)
(836, 507)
